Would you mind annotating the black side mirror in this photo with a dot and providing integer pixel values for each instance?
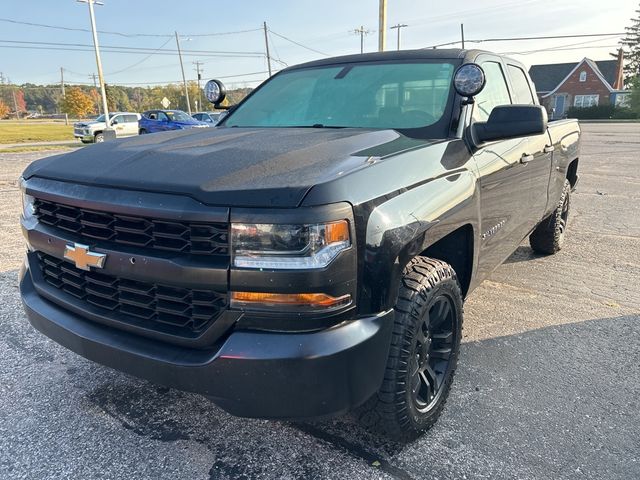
(511, 121)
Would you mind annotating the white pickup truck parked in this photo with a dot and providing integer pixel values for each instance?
(125, 124)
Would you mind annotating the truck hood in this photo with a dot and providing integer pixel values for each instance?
(242, 167)
(89, 125)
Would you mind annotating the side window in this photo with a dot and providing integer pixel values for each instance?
(152, 116)
(162, 117)
(521, 90)
(198, 116)
(131, 119)
(495, 92)
(116, 119)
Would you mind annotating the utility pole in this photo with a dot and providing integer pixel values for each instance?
(15, 103)
(62, 82)
(184, 79)
(462, 34)
(197, 64)
(95, 86)
(362, 32)
(382, 26)
(398, 27)
(66, 115)
(266, 44)
(108, 133)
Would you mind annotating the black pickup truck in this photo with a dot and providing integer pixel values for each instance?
(310, 256)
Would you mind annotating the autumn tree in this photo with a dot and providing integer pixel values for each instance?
(4, 109)
(19, 100)
(77, 103)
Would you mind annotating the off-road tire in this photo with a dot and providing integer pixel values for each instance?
(98, 138)
(549, 236)
(392, 410)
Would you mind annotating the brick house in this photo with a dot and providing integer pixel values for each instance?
(586, 83)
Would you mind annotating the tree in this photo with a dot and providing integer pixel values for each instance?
(631, 47)
(21, 104)
(634, 104)
(4, 109)
(77, 103)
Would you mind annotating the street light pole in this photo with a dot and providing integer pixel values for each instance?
(108, 133)
(184, 78)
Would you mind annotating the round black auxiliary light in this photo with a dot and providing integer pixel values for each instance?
(469, 80)
(214, 91)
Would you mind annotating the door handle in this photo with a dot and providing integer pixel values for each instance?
(549, 148)
(526, 158)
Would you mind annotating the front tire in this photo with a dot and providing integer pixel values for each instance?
(424, 352)
(99, 138)
(142, 131)
(549, 236)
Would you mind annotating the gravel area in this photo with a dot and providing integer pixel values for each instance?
(548, 384)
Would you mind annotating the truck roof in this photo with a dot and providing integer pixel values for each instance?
(420, 54)
(411, 55)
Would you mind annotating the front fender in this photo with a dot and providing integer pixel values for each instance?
(407, 224)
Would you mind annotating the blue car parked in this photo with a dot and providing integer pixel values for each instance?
(153, 121)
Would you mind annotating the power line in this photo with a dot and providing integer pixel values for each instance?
(299, 44)
(73, 29)
(511, 39)
(134, 49)
(141, 61)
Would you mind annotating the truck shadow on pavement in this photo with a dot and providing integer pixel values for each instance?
(523, 253)
(539, 402)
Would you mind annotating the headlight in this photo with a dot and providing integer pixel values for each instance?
(269, 246)
(28, 202)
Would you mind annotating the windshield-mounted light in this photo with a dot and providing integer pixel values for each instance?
(274, 246)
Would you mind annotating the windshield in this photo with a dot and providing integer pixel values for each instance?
(178, 116)
(383, 95)
(101, 117)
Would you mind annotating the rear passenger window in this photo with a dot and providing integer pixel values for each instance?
(521, 90)
(131, 119)
(495, 92)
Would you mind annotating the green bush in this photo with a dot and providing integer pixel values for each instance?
(591, 113)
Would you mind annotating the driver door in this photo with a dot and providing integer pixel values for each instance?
(503, 177)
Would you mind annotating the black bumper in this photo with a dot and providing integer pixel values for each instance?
(250, 374)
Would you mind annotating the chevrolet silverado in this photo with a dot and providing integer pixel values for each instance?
(309, 256)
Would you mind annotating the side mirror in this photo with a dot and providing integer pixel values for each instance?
(511, 121)
(114, 122)
(215, 92)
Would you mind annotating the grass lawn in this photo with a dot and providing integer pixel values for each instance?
(23, 132)
(40, 148)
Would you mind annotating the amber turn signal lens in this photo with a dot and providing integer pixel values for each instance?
(337, 232)
(303, 301)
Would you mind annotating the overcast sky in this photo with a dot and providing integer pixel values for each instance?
(325, 26)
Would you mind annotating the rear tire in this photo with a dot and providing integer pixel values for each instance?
(423, 354)
(549, 236)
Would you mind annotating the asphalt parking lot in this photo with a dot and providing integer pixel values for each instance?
(548, 384)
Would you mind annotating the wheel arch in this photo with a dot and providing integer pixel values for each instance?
(572, 172)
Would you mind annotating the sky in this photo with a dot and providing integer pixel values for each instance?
(319, 28)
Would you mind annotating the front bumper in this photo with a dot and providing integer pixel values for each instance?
(84, 137)
(248, 373)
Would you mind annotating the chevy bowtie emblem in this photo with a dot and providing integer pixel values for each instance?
(83, 258)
